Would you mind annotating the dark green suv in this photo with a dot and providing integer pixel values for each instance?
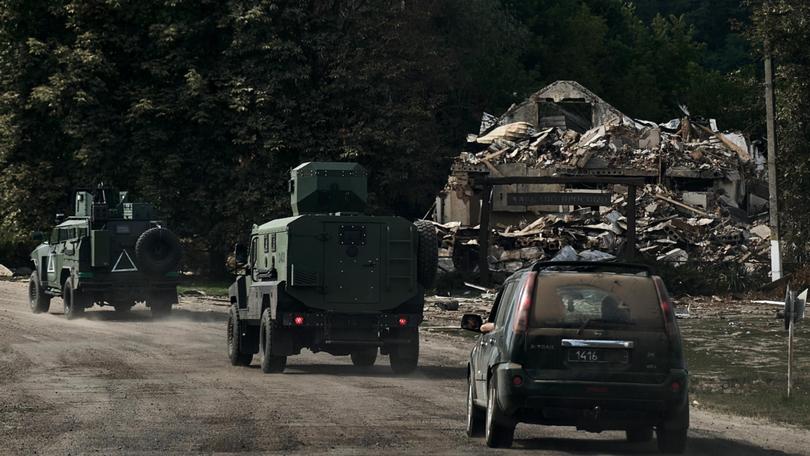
(593, 345)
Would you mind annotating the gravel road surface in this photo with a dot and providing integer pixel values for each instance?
(108, 384)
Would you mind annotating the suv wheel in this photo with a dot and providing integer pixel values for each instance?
(39, 301)
(475, 417)
(671, 441)
(499, 433)
(73, 301)
(234, 354)
(271, 364)
(364, 357)
(639, 434)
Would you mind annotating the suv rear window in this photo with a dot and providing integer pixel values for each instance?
(608, 300)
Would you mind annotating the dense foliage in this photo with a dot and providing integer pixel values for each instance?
(203, 106)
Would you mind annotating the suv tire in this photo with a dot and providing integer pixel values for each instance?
(271, 364)
(671, 441)
(364, 357)
(237, 357)
(475, 417)
(427, 255)
(499, 432)
(39, 301)
(73, 301)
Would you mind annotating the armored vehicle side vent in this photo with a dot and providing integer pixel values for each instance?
(303, 278)
(328, 188)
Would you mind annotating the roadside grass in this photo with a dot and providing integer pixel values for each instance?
(207, 287)
(738, 364)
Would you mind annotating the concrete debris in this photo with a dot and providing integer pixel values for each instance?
(5, 272)
(694, 206)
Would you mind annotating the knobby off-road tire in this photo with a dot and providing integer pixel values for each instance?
(123, 308)
(158, 251)
(236, 357)
(39, 301)
(499, 430)
(640, 434)
(427, 253)
(364, 357)
(271, 364)
(475, 416)
(671, 441)
(73, 300)
(161, 302)
(405, 357)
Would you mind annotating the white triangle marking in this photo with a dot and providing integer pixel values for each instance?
(51, 264)
(131, 263)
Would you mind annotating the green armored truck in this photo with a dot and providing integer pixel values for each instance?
(112, 252)
(331, 278)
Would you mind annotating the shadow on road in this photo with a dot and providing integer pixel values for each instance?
(696, 446)
(380, 370)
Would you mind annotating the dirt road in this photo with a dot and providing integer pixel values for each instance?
(112, 385)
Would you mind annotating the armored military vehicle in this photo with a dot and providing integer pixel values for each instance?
(331, 278)
(112, 252)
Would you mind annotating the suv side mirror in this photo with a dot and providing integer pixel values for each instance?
(471, 322)
(240, 254)
(38, 236)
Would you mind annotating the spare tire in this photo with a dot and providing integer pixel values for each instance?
(427, 253)
(158, 251)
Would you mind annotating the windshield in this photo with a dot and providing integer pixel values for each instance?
(595, 300)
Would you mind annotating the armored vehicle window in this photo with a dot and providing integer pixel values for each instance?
(254, 244)
(273, 242)
(266, 243)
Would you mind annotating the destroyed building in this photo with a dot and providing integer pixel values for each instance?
(700, 201)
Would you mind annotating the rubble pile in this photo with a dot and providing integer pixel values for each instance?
(636, 145)
(667, 229)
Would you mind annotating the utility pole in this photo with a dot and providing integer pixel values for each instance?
(773, 201)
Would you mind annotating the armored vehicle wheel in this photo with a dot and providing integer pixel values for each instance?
(364, 357)
(639, 434)
(237, 357)
(160, 302)
(271, 364)
(498, 432)
(122, 308)
(405, 357)
(39, 301)
(73, 300)
(427, 257)
(158, 251)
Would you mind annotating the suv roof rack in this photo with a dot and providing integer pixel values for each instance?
(595, 266)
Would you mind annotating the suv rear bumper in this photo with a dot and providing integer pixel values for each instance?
(593, 405)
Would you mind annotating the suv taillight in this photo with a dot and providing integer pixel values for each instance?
(667, 310)
(525, 303)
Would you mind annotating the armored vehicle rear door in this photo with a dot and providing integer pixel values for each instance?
(352, 262)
